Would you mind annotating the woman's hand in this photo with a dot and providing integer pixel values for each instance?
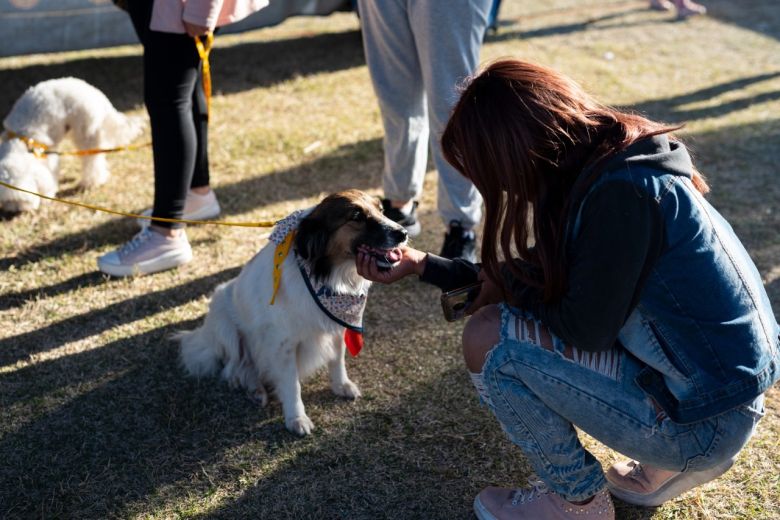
(489, 293)
(412, 262)
(195, 30)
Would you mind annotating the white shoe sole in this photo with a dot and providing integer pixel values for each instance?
(672, 488)
(481, 511)
(160, 263)
(206, 213)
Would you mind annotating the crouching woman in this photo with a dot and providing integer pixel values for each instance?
(636, 314)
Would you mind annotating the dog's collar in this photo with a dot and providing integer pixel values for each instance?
(37, 148)
(344, 309)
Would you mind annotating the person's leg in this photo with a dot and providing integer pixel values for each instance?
(170, 72)
(200, 117)
(395, 73)
(539, 388)
(201, 202)
(498, 347)
(448, 36)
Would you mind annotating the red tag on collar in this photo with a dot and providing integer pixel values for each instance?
(354, 341)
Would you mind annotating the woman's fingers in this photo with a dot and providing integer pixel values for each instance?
(367, 268)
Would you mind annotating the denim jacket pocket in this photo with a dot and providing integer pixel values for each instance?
(640, 337)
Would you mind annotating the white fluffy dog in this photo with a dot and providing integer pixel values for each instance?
(43, 116)
(256, 344)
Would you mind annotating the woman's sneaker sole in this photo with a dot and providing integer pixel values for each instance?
(481, 511)
(154, 265)
(672, 488)
(206, 213)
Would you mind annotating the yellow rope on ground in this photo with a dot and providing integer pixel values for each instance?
(262, 223)
(203, 51)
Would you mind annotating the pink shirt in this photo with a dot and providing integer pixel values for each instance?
(169, 15)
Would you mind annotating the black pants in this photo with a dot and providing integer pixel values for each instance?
(174, 98)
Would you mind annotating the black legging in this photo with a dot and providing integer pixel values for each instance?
(174, 98)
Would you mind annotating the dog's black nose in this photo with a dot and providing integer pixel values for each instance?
(399, 235)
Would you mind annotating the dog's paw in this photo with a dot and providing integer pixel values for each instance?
(300, 425)
(347, 389)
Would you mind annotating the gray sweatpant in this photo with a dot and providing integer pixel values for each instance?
(418, 51)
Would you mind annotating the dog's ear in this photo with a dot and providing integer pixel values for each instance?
(311, 242)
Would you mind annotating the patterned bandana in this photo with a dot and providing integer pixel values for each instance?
(344, 309)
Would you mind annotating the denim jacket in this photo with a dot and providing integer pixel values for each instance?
(703, 299)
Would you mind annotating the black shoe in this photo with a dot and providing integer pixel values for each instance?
(459, 243)
(407, 220)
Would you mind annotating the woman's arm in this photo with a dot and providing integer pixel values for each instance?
(449, 274)
(443, 273)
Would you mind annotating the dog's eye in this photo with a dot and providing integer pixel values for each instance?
(358, 216)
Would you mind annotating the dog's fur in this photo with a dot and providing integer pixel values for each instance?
(47, 113)
(256, 344)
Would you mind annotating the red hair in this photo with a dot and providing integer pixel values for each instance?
(523, 133)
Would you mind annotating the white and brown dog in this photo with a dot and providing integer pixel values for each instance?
(41, 118)
(317, 301)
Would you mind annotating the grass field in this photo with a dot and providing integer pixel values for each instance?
(97, 420)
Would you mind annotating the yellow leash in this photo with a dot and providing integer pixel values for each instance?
(40, 150)
(204, 49)
(262, 223)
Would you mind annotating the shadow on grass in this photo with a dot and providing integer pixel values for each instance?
(19, 298)
(589, 23)
(235, 68)
(332, 172)
(760, 16)
(122, 428)
(141, 425)
(21, 346)
(672, 108)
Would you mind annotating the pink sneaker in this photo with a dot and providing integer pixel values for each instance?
(539, 503)
(686, 9)
(644, 485)
(661, 5)
(148, 252)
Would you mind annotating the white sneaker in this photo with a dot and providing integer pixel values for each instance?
(148, 252)
(196, 207)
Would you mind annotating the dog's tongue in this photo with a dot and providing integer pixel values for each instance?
(393, 255)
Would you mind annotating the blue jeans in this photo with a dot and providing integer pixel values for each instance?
(539, 395)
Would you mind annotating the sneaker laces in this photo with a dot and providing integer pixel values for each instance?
(140, 238)
(636, 470)
(537, 489)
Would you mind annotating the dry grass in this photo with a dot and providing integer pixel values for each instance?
(97, 421)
